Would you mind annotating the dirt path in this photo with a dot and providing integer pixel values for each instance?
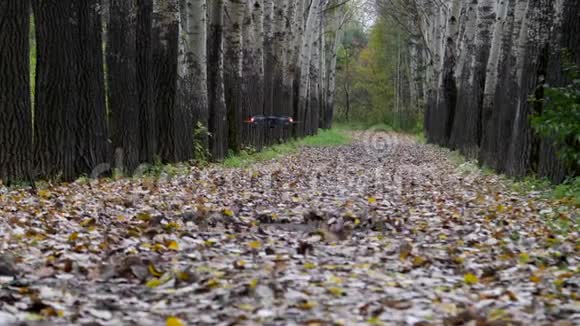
(384, 231)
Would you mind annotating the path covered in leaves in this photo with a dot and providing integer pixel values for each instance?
(385, 231)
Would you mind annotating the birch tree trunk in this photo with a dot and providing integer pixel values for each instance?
(306, 57)
(292, 14)
(199, 52)
(314, 92)
(235, 10)
(218, 140)
(339, 17)
(465, 128)
(296, 66)
(279, 57)
(253, 72)
(323, 71)
(268, 65)
(192, 76)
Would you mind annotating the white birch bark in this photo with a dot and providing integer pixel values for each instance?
(233, 20)
(306, 58)
(253, 71)
(192, 69)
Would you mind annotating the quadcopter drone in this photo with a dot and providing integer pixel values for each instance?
(270, 121)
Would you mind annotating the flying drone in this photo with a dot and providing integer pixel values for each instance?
(270, 121)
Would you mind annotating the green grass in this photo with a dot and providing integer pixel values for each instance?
(333, 137)
(565, 197)
(360, 126)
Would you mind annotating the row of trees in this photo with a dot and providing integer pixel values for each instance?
(125, 82)
(487, 65)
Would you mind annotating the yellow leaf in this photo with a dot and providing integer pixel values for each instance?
(228, 212)
(372, 200)
(309, 265)
(44, 193)
(210, 243)
(334, 279)
(174, 321)
(171, 226)
(306, 305)
(159, 247)
(536, 279)
(145, 217)
(255, 245)
(356, 221)
(253, 283)
(336, 291)
(246, 307)
(154, 271)
(73, 237)
(183, 276)
(213, 283)
(173, 245)
(240, 264)
(524, 258)
(470, 279)
(419, 261)
(153, 283)
(88, 222)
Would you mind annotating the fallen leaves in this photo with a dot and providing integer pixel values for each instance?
(470, 279)
(174, 321)
(327, 236)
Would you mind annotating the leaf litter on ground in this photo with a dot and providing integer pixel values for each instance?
(372, 234)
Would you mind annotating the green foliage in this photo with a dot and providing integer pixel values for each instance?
(369, 74)
(332, 137)
(200, 136)
(569, 189)
(560, 118)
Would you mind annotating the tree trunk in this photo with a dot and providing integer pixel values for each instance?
(268, 66)
(123, 86)
(165, 52)
(200, 93)
(296, 66)
(15, 110)
(253, 72)
(306, 59)
(217, 106)
(333, 59)
(70, 125)
(233, 20)
(148, 129)
(292, 15)
(278, 61)
(314, 92)
(185, 92)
